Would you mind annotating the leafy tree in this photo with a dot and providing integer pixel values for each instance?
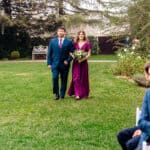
(139, 19)
(6, 4)
(71, 12)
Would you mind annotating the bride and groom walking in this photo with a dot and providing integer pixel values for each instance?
(60, 54)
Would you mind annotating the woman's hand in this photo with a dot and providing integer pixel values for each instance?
(73, 57)
(81, 60)
(71, 54)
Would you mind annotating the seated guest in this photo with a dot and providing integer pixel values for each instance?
(132, 138)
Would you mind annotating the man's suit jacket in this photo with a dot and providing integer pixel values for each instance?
(144, 121)
(57, 55)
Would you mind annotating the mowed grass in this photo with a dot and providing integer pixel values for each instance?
(104, 57)
(31, 120)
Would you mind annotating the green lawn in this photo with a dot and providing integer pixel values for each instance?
(104, 57)
(31, 119)
(93, 57)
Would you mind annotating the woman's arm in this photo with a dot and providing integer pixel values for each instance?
(71, 50)
(71, 54)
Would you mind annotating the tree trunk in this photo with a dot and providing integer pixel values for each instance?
(6, 4)
(2, 29)
(60, 7)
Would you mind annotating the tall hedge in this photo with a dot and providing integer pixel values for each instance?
(95, 47)
(14, 39)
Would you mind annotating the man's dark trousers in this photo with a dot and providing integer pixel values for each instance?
(62, 72)
(126, 140)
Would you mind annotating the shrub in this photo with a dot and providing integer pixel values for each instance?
(94, 42)
(3, 54)
(15, 38)
(140, 80)
(15, 54)
(129, 63)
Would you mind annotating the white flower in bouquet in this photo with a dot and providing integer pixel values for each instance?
(79, 54)
(133, 47)
(125, 50)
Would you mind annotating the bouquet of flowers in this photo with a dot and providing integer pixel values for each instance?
(79, 54)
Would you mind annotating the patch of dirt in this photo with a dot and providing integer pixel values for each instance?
(126, 78)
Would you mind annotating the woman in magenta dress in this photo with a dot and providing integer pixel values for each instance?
(80, 78)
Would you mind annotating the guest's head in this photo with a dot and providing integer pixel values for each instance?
(147, 71)
(61, 32)
(81, 36)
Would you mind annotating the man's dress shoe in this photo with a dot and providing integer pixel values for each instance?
(56, 97)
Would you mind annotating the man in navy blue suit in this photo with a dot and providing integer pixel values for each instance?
(58, 60)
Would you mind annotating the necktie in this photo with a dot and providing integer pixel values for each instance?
(60, 43)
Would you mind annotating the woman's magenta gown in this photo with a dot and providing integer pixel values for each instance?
(80, 78)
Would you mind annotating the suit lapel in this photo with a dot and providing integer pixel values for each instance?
(57, 40)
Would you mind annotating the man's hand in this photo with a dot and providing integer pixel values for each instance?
(49, 66)
(137, 133)
(66, 62)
